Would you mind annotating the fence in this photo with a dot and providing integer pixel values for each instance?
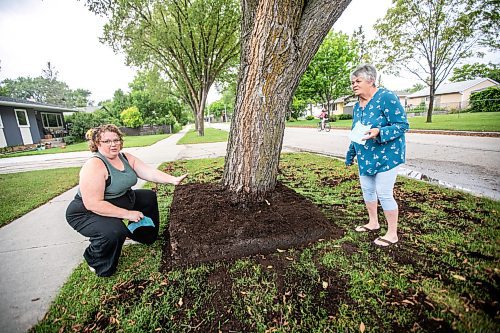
(147, 130)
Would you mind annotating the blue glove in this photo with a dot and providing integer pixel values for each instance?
(144, 222)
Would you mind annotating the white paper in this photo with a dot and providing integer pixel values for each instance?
(358, 132)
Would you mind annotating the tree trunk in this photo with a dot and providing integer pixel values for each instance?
(278, 40)
(432, 94)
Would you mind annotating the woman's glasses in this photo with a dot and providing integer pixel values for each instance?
(109, 142)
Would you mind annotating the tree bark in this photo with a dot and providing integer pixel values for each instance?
(278, 39)
(432, 94)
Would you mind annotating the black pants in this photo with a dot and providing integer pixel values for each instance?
(107, 234)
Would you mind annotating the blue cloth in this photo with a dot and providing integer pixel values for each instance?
(144, 222)
(388, 149)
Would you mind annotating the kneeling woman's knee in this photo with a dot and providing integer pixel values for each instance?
(116, 235)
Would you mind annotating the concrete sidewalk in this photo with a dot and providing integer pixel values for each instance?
(39, 251)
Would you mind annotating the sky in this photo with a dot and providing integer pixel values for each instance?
(64, 32)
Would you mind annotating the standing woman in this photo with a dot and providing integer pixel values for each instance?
(380, 151)
(105, 198)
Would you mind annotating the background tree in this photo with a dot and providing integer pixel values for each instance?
(489, 23)
(476, 70)
(50, 73)
(427, 38)
(416, 87)
(155, 99)
(327, 76)
(131, 117)
(298, 108)
(191, 41)
(278, 40)
(45, 89)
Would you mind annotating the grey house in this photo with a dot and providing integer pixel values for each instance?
(24, 122)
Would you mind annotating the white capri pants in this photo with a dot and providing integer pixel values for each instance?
(380, 186)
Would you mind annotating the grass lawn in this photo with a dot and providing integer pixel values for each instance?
(129, 141)
(442, 276)
(211, 135)
(24, 191)
(480, 122)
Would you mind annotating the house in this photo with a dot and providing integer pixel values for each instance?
(451, 96)
(403, 97)
(344, 104)
(24, 122)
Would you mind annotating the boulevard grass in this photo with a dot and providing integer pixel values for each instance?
(477, 122)
(24, 191)
(211, 135)
(442, 275)
(128, 141)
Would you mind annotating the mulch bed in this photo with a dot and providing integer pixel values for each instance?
(205, 226)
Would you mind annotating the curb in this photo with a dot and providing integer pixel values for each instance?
(419, 131)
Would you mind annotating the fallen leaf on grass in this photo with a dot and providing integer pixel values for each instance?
(288, 258)
(280, 250)
(180, 302)
(325, 284)
(407, 302)
(362, 327)
(459, 277)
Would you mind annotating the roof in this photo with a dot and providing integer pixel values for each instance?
(453, 87)
(16, 102)
(341, 99)
(89, 109)
(401, 93)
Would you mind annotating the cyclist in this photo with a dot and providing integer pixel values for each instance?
(324, 117)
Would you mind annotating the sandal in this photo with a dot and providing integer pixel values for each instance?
(385, 241)
(362, 228)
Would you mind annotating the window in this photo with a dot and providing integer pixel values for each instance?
(22, 118)
(1, 123)
(52, 120)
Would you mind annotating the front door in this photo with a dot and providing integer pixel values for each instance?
(24, 126)
(3, 142)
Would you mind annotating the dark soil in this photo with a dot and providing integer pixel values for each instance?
(205, 226)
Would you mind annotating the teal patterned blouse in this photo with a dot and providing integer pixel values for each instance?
(388, 149)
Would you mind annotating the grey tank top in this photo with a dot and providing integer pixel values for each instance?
(121, 181)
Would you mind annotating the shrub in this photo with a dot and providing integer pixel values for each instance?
(79, 123)
(69, 140)
(292, 119)
(131, 117)
(345, 116)
(486, 100)
(309, 117)
(176, 128)
(332, 118)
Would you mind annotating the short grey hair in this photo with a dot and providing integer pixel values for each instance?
(366, 71)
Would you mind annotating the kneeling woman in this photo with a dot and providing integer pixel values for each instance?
(105, 198)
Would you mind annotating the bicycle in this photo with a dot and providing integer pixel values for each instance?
(327, 128)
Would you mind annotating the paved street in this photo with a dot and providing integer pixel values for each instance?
(469, 163)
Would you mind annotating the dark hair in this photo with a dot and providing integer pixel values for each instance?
(93, 135)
